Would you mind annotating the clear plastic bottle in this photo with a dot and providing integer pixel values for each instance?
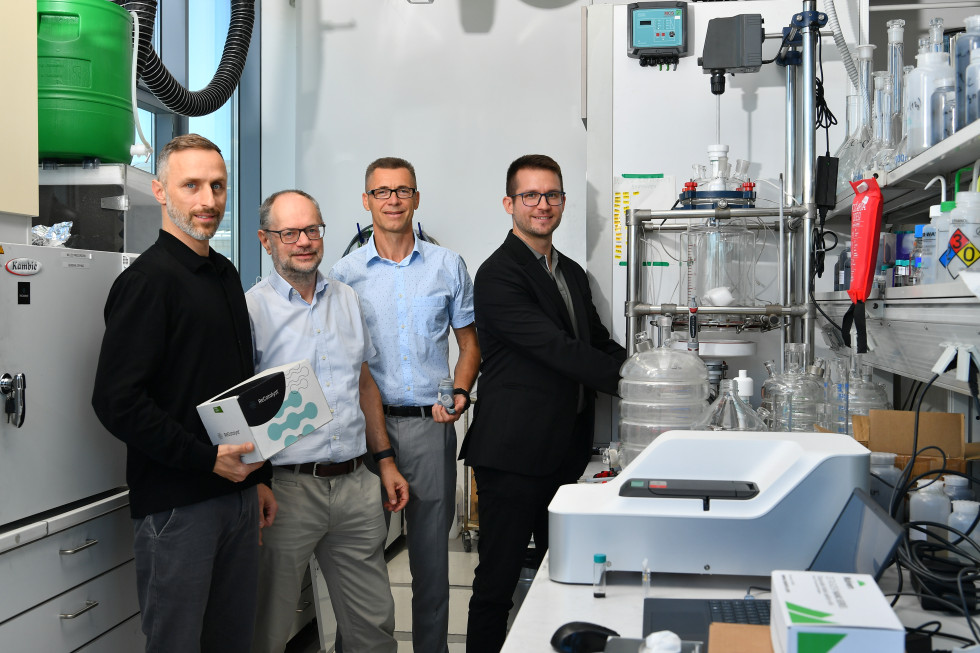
(957, 488)
(661, 389)
(445, 396)
(729, 413)
(932, 67)
(972, 91)
(746, 386)
(884, 478)
(928, 504)
(942, 106)
(962, 518)
(798, 403)
(965, 44)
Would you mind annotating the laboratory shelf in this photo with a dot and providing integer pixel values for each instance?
(903, 189)
(908, 326)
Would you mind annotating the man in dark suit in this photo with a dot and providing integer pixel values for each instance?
(545, 353)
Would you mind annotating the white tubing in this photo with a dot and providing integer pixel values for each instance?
(942, 185)
(845, 54)
(145, 149)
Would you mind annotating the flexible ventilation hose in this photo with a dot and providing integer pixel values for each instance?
(167, 89)
(845, 54)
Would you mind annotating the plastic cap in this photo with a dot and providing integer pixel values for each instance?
(882, 458)
(956, 480)
(964, 506)
(947, 206)
(972, 23)
(929, 484)
(866, 50)
(918, 230)
(936, 209)
(599, 558)
(974, 55)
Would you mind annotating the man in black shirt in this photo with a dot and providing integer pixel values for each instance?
(177, 334)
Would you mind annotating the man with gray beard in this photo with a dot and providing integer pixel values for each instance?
(177, 333)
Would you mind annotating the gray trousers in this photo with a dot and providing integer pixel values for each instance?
(426, 456)
(340, 520)
(196, 572)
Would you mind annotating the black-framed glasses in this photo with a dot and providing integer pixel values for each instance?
(533, 198)
(403, 192)
(290, 236)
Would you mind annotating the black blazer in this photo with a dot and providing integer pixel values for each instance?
(533, 364)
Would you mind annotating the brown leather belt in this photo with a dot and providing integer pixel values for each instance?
(326, 470)
(408, 411)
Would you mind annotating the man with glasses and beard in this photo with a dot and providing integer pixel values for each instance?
(545, 353)
(177, 334)
(330, 504)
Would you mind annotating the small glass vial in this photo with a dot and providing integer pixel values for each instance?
(599, 565)
(446, 397)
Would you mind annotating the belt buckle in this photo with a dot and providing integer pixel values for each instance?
(315, 466)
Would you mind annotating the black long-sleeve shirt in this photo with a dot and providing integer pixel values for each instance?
(177, 334)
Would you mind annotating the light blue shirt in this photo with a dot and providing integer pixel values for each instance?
(331, 333)
(409, 307)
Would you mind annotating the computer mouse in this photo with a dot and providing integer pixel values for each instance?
(581, 637)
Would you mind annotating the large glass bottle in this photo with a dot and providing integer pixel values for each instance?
(849, 152)
(902, 149)
(863, 394)
(865, 91)
(798, 403)
(730, 413)
(662, 389)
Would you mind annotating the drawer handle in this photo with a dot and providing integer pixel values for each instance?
(305, 605)
(68, 552)
(88, 606)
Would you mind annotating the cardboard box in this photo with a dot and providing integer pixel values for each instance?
(272, 410)
(739, 638)
(823, 611)
(892, 431)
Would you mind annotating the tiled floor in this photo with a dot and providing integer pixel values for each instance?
(461, 566)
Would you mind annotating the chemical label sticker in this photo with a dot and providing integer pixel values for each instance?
(958, 241)
(947, 256)
(965, 250)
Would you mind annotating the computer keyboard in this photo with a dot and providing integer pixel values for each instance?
(740, 611)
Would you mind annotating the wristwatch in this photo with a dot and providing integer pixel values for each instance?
(465, 393)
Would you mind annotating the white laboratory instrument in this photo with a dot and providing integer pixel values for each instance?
(709, 502)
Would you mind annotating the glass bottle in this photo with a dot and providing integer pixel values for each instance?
(942, 107)
(730, 413)
(965, 45)
(849, 152)
(662, 389)
(883, 157)
(797, 405)
(902, 149)
(863, 394)
(865, 90)
(769, 388)
(599, 565)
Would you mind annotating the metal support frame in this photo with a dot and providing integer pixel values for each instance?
(796, 297)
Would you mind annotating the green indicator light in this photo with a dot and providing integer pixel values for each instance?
(656, 176)
(622, 263)
(637, 484)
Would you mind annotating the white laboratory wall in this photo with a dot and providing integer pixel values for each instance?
(458, 87)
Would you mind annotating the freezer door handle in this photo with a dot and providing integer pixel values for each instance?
(70, 552)
(14, 389)
(88, 606)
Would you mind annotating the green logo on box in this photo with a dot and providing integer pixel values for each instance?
(217, 409)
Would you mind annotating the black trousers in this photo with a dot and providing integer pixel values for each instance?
(512, 508)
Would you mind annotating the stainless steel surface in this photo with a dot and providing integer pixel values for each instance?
(62, 454)
(808, 174)
(637, 309)
(721, 214)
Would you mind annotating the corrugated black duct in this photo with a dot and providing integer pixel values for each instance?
(163, 85)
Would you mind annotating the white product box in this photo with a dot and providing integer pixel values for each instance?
(822, 611)
(272, 410)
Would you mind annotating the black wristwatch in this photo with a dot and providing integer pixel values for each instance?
(465, 393)
(386, 453)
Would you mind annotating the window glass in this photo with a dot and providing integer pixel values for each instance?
(147, 123)
(205, 43)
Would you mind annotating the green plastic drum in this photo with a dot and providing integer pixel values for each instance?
(84, 80)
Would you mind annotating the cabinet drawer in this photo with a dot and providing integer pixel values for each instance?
(127, 637)
(47, 567)
(98, 605)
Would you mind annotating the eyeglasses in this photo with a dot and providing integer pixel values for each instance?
(403, 192)
(289, 236)
(554, 198)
